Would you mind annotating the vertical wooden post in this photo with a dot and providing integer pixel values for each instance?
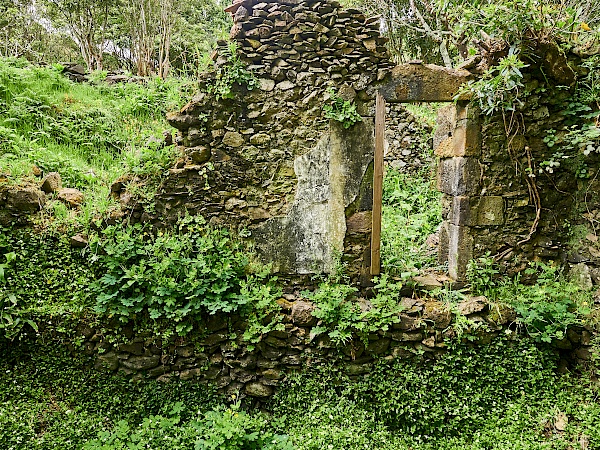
(377, 184)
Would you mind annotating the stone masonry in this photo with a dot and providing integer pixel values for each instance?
(217, 354)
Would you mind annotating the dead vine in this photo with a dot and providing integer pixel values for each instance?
(512, 126)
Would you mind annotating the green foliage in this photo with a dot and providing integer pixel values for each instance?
(89, 133)
(50, 400)
(335, 310)
(231, 74)
(550, 306)
(491, 396)
(201, 23)
(502, 395)
(499, 89)
(341, 110)
(342, 316)
(42, 276)
(482, 274)
(511, 21)
(545, 309)
(411, 212)
(218, 429)
(178, 275)
(582, 131)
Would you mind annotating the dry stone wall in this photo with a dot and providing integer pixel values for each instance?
(220, 356)
(408, 141)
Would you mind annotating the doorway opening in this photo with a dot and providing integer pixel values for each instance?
(411, 207)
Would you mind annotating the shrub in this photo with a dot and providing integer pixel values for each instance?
(175, 275)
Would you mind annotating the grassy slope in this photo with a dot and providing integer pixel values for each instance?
(89, 133)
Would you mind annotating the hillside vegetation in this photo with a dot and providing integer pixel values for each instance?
(505, 395)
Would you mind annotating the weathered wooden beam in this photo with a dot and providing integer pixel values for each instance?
(377, 184)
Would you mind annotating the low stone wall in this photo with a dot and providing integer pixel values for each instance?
(217, 353)
(409, 142)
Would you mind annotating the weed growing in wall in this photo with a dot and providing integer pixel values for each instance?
(341, 315)
(177, 276)
(545, 309)
(341, 110)
(500, 88)
(582, 126)
(231, 74)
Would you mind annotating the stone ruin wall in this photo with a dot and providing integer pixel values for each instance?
(489, 204)
(217, 354)
(266, 161)
(248, 161)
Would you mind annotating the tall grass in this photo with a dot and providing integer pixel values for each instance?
(88, 132)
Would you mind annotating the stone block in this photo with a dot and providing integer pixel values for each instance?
(444, 243)
(25, 199)
(198, 155)
(460, 250)
(458, 176)
(138, 363)
(489, 211)
(258, 389)
(477, 211)
(302, 313)
(446, 123)
(460, 213)
(464, 139)
(71, 197)
(52, 183)
(359, 222)
(233, 139)
(444, 149)
(424, 83)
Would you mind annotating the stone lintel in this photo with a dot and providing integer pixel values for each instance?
(424, 83)
(458, 176)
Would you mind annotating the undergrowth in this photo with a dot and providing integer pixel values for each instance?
(546, 306)
(503, 395)
(50, 401)
(165, 281)
(176, 277)
(411, 212)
